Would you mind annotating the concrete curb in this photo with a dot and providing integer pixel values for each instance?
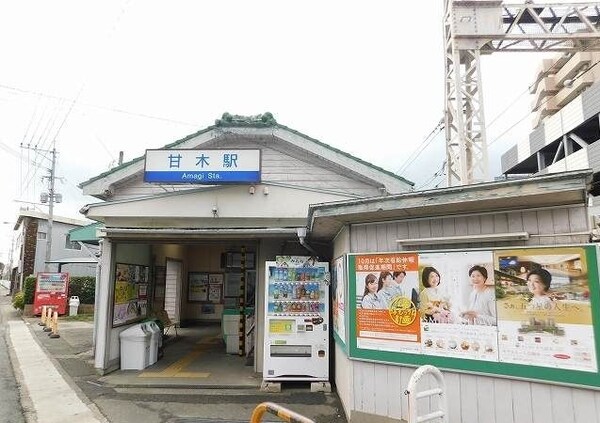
(54, 399)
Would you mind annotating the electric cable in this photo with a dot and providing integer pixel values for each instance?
(424, 144)
(106, 108)
(435, 175)
(541, 104)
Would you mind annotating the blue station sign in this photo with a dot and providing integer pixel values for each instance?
(202, 166)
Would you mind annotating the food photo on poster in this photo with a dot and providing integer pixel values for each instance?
(544, 308)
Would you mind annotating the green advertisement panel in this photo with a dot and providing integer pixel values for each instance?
(530, 313)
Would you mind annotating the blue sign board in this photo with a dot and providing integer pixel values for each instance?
(202, 166)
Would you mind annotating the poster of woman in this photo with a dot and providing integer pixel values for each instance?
(457, 304)
(544, 310)
(386, 316)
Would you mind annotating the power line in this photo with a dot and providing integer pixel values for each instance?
(110, 109)
(425, 143)
(541, 104)
(438, 173)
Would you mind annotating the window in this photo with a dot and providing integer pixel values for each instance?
(71, 245)
(41, 235)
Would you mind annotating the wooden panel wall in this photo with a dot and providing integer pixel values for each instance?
(306, 171)
(543, 225)
(378, 388)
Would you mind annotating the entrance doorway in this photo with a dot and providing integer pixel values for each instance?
(172, 290)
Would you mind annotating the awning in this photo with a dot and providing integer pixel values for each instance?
(85, 234)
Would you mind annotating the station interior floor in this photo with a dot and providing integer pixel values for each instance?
(195, 357)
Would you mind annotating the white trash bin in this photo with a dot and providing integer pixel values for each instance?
(135, 347)
(155, 342)
(73, 305)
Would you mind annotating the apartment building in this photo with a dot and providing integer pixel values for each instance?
(565, 111)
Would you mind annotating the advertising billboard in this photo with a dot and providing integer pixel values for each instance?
(522, 312)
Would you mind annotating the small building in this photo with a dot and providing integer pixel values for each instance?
(564, 110)
(498, 371)
(31, 243)
(168, 233)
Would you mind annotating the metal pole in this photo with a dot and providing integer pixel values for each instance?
(50, 213)
(24, 224)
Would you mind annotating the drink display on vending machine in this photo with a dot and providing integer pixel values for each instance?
(296, 320)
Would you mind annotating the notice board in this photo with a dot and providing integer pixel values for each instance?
(531, 313)
(130, 293)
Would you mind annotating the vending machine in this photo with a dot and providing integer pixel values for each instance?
(296, 320)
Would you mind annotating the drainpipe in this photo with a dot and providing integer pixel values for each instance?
(301, 232)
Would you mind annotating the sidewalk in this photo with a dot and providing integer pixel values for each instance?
(53, 398)
(5, 283)
(64, 387)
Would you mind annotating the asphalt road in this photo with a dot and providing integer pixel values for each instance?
(10, 404)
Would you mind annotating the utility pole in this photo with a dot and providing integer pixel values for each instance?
(50, 197)
(50, 211)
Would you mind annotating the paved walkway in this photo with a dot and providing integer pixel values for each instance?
(54, 400)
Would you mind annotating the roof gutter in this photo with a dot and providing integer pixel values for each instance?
(104, 232)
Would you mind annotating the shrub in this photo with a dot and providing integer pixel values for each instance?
(83, 287)
(18, 301)
(29, 289)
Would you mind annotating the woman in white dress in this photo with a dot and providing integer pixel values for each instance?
(481, 309)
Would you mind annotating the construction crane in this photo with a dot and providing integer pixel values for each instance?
(476, 27)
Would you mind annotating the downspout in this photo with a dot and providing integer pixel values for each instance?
(96, 300)
(301, 232)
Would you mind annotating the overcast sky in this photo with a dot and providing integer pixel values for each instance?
(97, 78)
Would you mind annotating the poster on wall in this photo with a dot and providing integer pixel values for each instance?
(386, 302)
(339, 298)
(529, 312)
(457, 305)
(233, 282)
(544, 308)
(197, 286)
(130, 294)
(214, 293)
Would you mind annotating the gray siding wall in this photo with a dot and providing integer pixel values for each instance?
(509, 159)
(543, 225)
(591, 101)
(60, 232)
(299, 169)
(537, 140)
(377, 388)
(593, 152)
(471, 398)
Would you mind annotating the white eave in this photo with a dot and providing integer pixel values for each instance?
(231, 206)
(559, 189)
